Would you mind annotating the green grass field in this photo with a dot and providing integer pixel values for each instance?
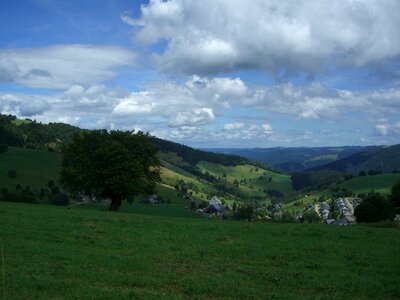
(86, 253)
(379, 183)
(34, 167)
(257, 179)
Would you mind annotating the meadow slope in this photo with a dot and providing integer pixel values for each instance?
(56, 253)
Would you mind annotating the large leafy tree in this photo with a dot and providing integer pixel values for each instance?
(374, 208)
(395, 197)
(112, 164)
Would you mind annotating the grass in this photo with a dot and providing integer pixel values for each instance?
(55, 253)
(257, 179)
(34, 167)
(379, 183)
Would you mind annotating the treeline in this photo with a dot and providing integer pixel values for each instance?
(315, 179)
(31, 134)
(51, 193)
(194, 156)
(34, 135)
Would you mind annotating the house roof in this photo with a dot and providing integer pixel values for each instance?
(215, 200)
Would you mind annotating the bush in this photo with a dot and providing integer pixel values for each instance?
(60, 199)
(22, 196)
(12, 174)
(311, 216)
(3, 148)
(244, 213)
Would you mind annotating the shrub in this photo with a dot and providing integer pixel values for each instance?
(3, 148)
(60, 199)
(244, 213)
(311, 216)
(12, 174)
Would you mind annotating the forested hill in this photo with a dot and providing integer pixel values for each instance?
(193, 156)
(31, 134)
(294, 159)
(385, 159)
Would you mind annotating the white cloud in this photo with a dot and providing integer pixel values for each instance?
(21, 106)
(267, 128)
(387, 128)
(59, 67)
(382, 129)
(233, 126)
(198, 116)
(213, 36)
(136, 103)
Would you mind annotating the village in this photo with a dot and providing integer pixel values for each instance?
(340, 211)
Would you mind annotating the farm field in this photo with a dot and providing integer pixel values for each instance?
(87, 253)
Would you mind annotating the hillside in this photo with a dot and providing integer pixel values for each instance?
(294, 159)
(386, 159)
(190, 170)
(33, 167)
(382, 183)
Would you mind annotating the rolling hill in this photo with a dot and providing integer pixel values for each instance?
(294, 159)
(203, 174)
(385, 159)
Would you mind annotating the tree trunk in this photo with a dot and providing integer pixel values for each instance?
(115, 204)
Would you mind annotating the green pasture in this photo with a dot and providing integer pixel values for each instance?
(52, 252)
(34, 167)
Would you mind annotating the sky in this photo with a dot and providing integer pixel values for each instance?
(209, 73)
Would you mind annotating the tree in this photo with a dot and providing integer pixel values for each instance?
(311, 216)
(112, 164)
(395, 197)
(374, 208)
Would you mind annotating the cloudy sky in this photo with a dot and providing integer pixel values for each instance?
(209, 73)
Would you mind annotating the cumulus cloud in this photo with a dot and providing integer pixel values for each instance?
(22, 106)
(198, 116)
(212, 36)
(387, 128)
(233, 126)
(187, 110)
(59, 67)
(267, 129)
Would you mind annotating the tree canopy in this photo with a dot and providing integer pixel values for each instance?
(395, 197)
(112, 164)
(374, 208)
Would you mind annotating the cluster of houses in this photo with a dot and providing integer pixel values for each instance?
(323, 209)
(346, 205)
(346, 209)
(215, 207)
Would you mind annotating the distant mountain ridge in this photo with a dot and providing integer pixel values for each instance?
(385, 159)
(295, 159)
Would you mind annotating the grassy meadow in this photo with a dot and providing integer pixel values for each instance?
(379, 183)
(34, 167)
(87, 253)
(257, 179)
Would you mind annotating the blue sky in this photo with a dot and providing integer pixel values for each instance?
(211, 73)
